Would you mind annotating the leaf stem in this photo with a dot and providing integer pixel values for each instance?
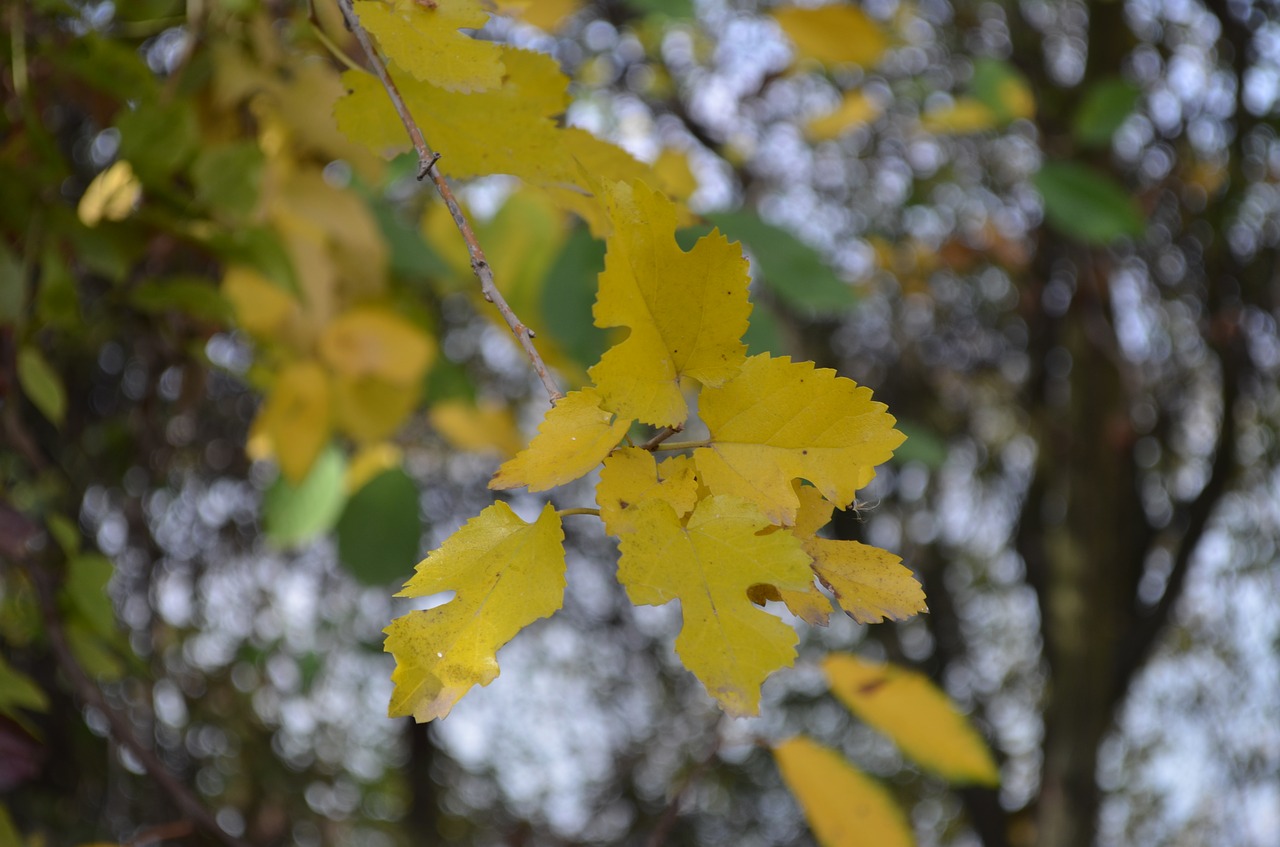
(578, 511)
(427, 159)
(680, 445)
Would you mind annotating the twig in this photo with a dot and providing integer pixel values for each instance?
(672, 811)
(121, 730)
(667, 432)
(427, 159)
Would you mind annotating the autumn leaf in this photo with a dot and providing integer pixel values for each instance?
(370, 408)
(855, 110)
(779, 420)
(373, 341)
(111, 196)
(417, 34)
(506, 574)
(296, 418)
(510, 129)
(484, 427)
(686, 311)
(575, 437)
(844, 807)
(836, 34)
(708, 564)
(871, 584)
(912, 711)
(632, 476)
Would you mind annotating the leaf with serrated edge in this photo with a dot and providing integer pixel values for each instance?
(631, 476)
(780, 420)
(686, 311)
(574, 437)
(708, 564)
(915, 714)
(506, 574)
(417, 34)
(871, 584)
(844, 807)
(511, 129)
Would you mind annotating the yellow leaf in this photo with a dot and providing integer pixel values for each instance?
(964, 116)
(632, 476)
(780, 420)
(575, 437)
(834, 35)
(418, 35)
(844, 807)
(296, 418)
(675, 176)
(506, 130)
(854, 110)
(1016, 98)
(370, 408)
(709, 564)
(916, 714)
(544, 14)
(686, 311)
(111, 195)
(484, 427)
(809, 605)
(369, 462)
(871, 584)
(372, 341)
(506, 574)
(261, 307)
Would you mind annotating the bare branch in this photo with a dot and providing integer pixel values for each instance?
(89, 693)
(427, 159)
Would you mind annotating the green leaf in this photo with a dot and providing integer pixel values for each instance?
(1084, 204)
(191, 295)
(568, 293)
(675, 9)
(9, 835)
(380, 531)
(86, 591)
(57, 300)
(296, 514)
(10, 287)
(19, 691)
(158, 139)
(1106, 105)
(42, 384)
(228, 178)
(1002, 89)
(764, 334)
(923, 445)
(93, 652)
(790, 268)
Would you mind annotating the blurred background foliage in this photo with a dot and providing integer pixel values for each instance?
(1043, 232)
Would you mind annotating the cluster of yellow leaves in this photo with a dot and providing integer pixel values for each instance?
(723, 525)
(491, 109)
(844, 806)
(335, 354)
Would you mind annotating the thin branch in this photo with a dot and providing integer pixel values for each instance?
(1147, 629)
(667, 432)
(672, 811)
(427, 159)
(89, 693)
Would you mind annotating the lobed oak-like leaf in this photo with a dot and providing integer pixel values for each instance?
(915, 714)
(871, 584)
(422, 36)
(631, 476)
(686, 311)
(574, 437)
(506, 574)
(709, 563)
(778, 421)
(844, 807)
